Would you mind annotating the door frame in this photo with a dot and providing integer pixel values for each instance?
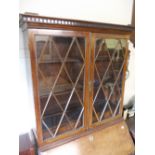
(91, 72)
(35, 81)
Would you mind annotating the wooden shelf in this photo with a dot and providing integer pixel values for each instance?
(64, 128)
(73, 110)
(102, 58)
(59, 90)
(102, 102)
(105, 58)
(70, 60)
(53, 119)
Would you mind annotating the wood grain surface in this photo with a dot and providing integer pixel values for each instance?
(114, 140)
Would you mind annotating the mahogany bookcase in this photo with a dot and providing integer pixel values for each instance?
(78, 73)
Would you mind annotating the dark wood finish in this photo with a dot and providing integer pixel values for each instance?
(35, 87)
(86, 105)
(32, 21)
(79, 135)
(26, 145)
(33, 58)
(41, 66)
(91, 77)
(131, 125)
(94, 36)
(115, 140)
(124, 77)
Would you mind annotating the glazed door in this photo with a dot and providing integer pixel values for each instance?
(107, 77)
(61, 70)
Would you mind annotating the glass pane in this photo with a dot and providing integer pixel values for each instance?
(108, 73)
(61, 63)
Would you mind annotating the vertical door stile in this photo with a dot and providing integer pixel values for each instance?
(86, 86)
(35, 85)
(91, 73)
(124, 77)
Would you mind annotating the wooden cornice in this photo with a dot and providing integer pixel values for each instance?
(35, 21)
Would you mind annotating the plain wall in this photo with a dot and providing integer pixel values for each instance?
(26, 106)
(108, 11)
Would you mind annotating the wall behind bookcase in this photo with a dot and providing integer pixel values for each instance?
(108, 11)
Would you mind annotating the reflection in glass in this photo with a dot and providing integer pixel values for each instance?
(61, 78)
(108, 72)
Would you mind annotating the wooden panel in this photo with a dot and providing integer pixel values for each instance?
(33, 21)
(35, 86)
(46, 70)
(55, 27)
(114, 140)
(26, 146)
(107, 71)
